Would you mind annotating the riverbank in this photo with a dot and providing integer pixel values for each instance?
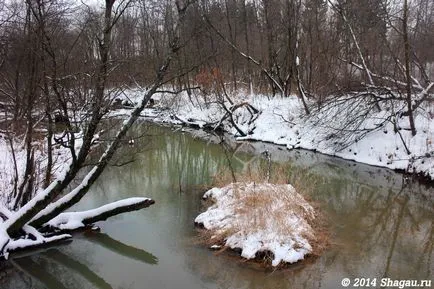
(13, 164)
(376, 138)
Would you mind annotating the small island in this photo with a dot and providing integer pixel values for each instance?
(266, 222)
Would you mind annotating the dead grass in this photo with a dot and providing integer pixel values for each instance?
(267, 205)
(257, 206)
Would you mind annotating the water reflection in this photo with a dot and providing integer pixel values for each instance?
(54, 269)
(36, 271)
(376, 233)
(120, 248)
(77, 267)
(381, 224)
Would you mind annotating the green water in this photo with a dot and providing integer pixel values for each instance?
(380, 226)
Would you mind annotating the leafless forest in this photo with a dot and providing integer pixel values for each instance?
(65, 61)
(53, 48)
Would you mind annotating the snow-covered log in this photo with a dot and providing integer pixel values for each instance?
(31, 237)
(76, 220)
(8, 245)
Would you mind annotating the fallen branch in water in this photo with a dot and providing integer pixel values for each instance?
(76, 220)
(53, 231)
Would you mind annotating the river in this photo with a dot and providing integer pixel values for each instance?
(381, 225)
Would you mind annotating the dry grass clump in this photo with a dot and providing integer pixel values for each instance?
(248, 216)
(266, 203)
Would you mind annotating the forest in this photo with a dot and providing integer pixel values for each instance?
(66, 65)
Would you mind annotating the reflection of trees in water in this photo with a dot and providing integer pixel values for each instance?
(381, 228)
(387, 226)
(228, 271)
(39, 272)
(378, 231)
(174, 162)
(10, 277)
(57, 270)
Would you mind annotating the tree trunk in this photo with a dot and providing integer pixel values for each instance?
(407, 68)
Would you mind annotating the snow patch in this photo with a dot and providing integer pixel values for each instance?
(257, 218)
(74, 220)
(379, 138)
(61, 159)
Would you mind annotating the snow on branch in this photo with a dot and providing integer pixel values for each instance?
(76, 220)
(55, 208)
(393, 80)
(65, 221)
(14, 245)
(33, 237)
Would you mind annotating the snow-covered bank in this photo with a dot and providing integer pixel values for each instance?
(342, 130)
(260, 218)
(11, 168)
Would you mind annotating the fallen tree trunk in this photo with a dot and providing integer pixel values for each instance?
(21, 244)
(77, 220)
(68, 221)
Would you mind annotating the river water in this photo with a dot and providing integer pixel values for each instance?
(381, 225)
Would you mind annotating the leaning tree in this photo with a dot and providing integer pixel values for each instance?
(42, 219)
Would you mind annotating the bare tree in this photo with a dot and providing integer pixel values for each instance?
(47, 206)
(407, 66)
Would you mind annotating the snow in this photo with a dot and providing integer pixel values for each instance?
(282, 121)
(8, 244)
(14, 245)
(64, 221)
(74, 220)
(260, 218)
(61, 160)
(66, 198)
(215, 247)
(381, 147)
